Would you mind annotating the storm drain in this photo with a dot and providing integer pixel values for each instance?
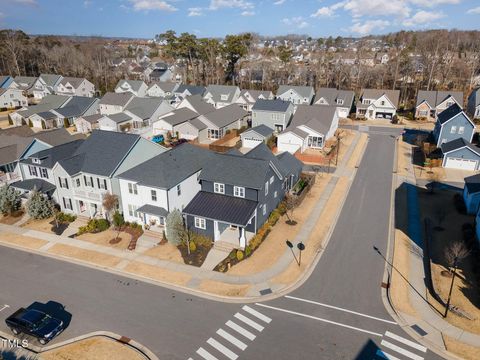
(419, 330)
(265, 291)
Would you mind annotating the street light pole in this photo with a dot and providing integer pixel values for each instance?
(451, 287)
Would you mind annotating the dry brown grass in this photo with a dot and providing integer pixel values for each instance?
(403, 157)
(103, 238)
(273, 247)
(40, 225)
(165, 252)
(10, 219)
(317, 236)
(219, 288)
(96, 348)
(458, 348)
(157, 273)
(23, 241)
(84, 255)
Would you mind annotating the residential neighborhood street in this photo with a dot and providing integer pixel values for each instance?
(337, 313)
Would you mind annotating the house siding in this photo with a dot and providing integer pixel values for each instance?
(463, 153)
(260, 117)
(443, 133)
(472, 201)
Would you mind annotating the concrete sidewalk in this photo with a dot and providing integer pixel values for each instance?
(430, 321)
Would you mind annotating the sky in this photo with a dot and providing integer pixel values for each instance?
(216, 18)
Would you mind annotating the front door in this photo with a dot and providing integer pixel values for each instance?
(82, 206)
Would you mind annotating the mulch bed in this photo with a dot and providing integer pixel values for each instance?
(115, 240)
(135, 234)
(197, 257)
(62, 226)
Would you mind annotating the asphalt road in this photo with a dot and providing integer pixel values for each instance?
(336, 314)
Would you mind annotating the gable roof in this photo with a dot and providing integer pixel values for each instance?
(22, 131)
(100, 153)
(472, 183)
(434, 98)
(166, 86)
(449, 113)
(261, 151)
(276, 105)
(120, 99)
(218, 90)
(303, 91)
(179, 116)
(168, 169)
(290, 163)
(199, 105)
(225, 115)
(392, 95)
(197, 124)
(317, 118)
(25, 82)
(255, 94)
(47, 115)
(119, 117)
(92, 119)
(77, 106)
(49, 157)
(458, 144)
(331, 95)
(261, 129)
(48, 103)
(51, 79)
(144, 108)
(192, 89)
(74, 81)
(135, 85)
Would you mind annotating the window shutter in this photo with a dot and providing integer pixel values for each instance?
(85, 180)
(71, 207)
(60, 181)
(98, 182)
(66, 183)
(105, 183)
(91, 181)
(64, 203)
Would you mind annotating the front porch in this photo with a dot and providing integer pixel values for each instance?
(234, 236)
(87, 209)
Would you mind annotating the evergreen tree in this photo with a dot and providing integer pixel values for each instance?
(38, 206)
(10, 200)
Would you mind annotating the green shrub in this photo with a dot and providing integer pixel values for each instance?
(10, 200)
(274, 216)
(102, 225)
(94, 226)
(38, 206)
(202, 240)
(240, 255)
(118, 219)
(248, 250)
(82, 230)
(63, 217)
(232, 254)
(192, 246)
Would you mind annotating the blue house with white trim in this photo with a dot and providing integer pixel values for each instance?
(471, 194)
(460, 154)
(452, 124)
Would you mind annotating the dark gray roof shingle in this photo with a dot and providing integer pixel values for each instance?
(37, 184)
(449, 113)
(226, 115)
(153, 210)
(261, 129)
(49, 157)
(276, 105)
(458, 144)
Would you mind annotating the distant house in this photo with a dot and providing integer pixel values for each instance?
(85, 124)
(460, 154)
(162, 89)
(136, 87)
(255, 136)
(248, 98)
(471, 194)
(276, 114)
(31, 86)
(311, 126)
(119, 122)
(197, 104)
(377, 104)
(51, 82)
(218, 122)
(145, 111)
(49, 102)
(6, 82)
(473, 105)
(431, 103)
(113, 103)
(453, 124)
(44, 120)
(169, 121)
(161, 75)
(12, 98)
(342, 99)
(76, 107)
(221, 95)
(168, 181)
(75, 87)
(297, 95)
(182, 91)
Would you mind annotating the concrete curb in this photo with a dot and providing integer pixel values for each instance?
(148, 354)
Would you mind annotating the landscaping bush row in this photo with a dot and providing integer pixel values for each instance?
(65, 218)
(94, 226)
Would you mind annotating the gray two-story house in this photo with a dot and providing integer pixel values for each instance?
(453, 124)
(238, 193)
(276, 114)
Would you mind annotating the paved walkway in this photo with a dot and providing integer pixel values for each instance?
(431, 322)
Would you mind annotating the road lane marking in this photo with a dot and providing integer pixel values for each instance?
(4, 307)
(242, 346)
(320, 319)
(400, 350)
(205, 354)
(341, 309)
(406, 341)
(240, 330)
(248, 321)
(385, 355)
(223, 349)
(257, 314)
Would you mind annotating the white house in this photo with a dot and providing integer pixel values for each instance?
(342, 99)
(12, 98)
(297, 95)
(162, 89)
(311, 126)
(136, 87)
(120, 122)
(248, 98)
(85, 124)
(75, 86)
(377, 104)
(113, 103)
(221, 95)
(169, 121)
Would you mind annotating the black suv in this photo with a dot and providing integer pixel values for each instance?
(36, 323)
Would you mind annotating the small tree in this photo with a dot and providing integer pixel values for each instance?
(10, 200)
(109, 203)
(118, 220)
(38, 206)
(174, 227)
(290, 203)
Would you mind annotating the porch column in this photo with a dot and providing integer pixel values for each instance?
(216, 232)
(243, 239)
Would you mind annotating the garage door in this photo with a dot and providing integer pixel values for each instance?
(463, 164)
(290, 147)
(250, 142)
(383, 115)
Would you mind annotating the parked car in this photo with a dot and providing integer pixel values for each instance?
(35, 323)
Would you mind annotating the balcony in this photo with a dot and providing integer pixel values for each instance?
(87, 195)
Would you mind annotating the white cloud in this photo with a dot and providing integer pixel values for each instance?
(423, 18)
(324, 12)
(474, 10)
(279, 2)
(240, 4)
(433, 3)
(296, 21)
(248, 13)
(146, 5)
(368, 26)
(195, 11)
(360, 8)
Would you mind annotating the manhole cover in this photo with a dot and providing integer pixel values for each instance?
(265, 291)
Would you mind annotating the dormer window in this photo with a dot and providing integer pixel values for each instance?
(36, 161)
(366, 101)
(339, 101)
(224, 97)
(219, 188)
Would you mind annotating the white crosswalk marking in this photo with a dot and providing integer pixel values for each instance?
(205, 354)
(232, 339)
(248, 321)
(385, 355)
(240, 330)
(400, 350)
(406, 341)
(223, 349)
(257, 314)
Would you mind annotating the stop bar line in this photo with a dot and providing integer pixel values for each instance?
(319, 319)
(341, 309)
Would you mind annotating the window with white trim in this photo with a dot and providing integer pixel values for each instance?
(179, 190)
(200, 223)
(132, 210)
(266, 188)
(132, 188)
(32, 170)
(239, 191)
(453, 130)
(461, 130)
(219, 188)
(271, 180)
(153, 193)
(275, 194)
(43, 173)
(264, 210)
